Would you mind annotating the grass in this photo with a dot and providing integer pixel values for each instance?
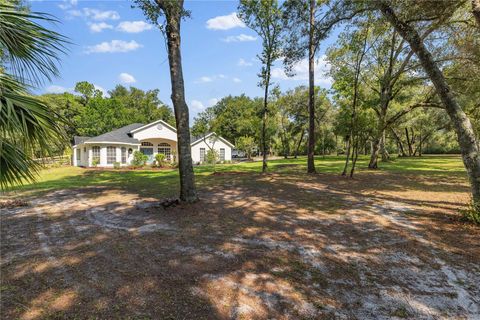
(165, 182)
(254, 246)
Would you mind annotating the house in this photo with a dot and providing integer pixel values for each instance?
(150, 139)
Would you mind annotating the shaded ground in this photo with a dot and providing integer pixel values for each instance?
(283, 245)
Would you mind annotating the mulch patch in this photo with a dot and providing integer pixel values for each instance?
(9, 204)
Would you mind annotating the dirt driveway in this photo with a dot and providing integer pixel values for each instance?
(255, 247)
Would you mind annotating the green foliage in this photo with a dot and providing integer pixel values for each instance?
(139, 159)
(87, 91)
(212, 156)
(160, 160)
(231, 117)
(265, 18)
(95, 162)
(92, 114)
(472, 213)
(29, 53)
(247, 145)
(116, 165)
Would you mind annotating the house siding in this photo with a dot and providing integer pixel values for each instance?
(155, 133)
(219, 144)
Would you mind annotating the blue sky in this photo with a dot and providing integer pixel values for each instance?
(113, 43)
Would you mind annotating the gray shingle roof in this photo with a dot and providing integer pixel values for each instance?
(118, 135)
(79, 140)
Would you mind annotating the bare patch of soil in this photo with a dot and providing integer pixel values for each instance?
(381, 246)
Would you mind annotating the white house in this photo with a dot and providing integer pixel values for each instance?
(151, 139)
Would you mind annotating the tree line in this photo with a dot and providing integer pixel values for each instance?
(402, 72)
(88, 112)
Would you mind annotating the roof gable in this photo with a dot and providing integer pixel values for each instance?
(121, 135)
(144, 127)
(231, 145)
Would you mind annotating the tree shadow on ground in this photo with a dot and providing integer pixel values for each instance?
(255, 246)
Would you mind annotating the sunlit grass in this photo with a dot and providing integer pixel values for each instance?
(165, 182)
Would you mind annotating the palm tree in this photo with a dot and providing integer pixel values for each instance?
(29, 54)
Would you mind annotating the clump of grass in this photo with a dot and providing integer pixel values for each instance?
(400, 312)
(472, 213)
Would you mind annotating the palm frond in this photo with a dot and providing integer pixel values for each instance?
(26, 118)
(30, 51)
(15, 166)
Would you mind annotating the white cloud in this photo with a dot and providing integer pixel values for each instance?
(237, 80)
(301, 72)
(113, 46)
(91, 14)
(225, 22)
(126, 78)
(240, 38)
(243, 63)
(206, 79)
(67, 4)
(133, 26)
(56, 89)
(74, 13)
(99, 88)
(197, 105)
(100, 15)
(212, 102)
(99, 27)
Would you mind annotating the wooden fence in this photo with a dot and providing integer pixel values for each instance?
(55, 161)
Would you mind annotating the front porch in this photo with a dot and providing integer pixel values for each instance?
(152, 147)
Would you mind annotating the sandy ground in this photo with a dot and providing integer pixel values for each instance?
(255, 247)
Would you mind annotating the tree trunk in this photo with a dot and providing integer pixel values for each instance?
(355, 157)
(374, 156)
(188, 191)
(401, 150)
(347, 158)
(383, 149)
(311, 92)
(264, 120)
(476, 11)
(466, 137)
(409, 143)
(299, 144)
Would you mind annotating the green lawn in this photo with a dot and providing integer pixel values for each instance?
(165, 182)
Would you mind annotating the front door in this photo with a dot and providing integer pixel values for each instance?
(148, 152)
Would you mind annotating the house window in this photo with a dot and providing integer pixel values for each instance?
(202, 154)
(222, 154)
(147, 144)
(124, 155)
(79, 154)
(96, 153)
(164, 148)
(111, 155)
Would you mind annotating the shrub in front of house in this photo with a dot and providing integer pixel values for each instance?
(95, 162)
(116, 165)
(160, 160)
(139, 159)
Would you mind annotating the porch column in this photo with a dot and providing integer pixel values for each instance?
(75, 150)
(89, 150)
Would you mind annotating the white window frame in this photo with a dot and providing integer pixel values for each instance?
(124, 155)
(166, 149)
(79, 154)
(96, 153)
(221, 154)
(110, 156)
(202, 154)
